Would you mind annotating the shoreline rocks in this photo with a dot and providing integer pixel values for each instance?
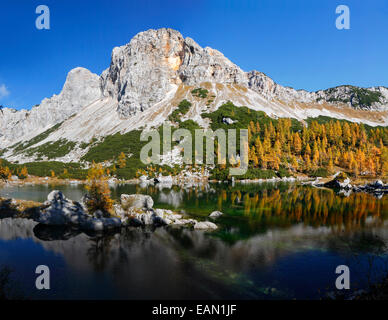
(60, 211)
(135, 210)
(343, 183)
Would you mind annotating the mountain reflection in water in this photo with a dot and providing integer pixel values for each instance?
(274, 241)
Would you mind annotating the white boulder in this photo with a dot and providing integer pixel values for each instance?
(139, 201)
(205, 225)
(216, 214)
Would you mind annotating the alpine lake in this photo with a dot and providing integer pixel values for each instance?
(274, 241)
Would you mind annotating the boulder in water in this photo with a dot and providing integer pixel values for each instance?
(216, 214)
(205, 225)
(340, 181)
(139, 201)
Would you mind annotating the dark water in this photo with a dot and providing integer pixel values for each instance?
(275, 241)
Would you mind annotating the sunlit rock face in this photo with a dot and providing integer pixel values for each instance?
(143, 71)
(155, 61)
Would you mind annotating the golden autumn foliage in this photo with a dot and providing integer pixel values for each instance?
(5, 172)
(23, 173)
(98, 190)
(122, 163)
(320, 145)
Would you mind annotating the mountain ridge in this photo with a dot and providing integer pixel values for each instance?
(148, 77)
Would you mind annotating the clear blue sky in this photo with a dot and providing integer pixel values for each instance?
(294, 42)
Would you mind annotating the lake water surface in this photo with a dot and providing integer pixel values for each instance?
(275, 241)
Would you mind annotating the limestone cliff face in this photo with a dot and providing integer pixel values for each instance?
(143, 71)
(80, 89)
(155, 61)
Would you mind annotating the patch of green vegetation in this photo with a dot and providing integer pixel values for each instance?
(256, 173)
(364, 98)
(21, 146)
(111, 147)
(84, 145)
(252, 173)
(200, 93)
(52, 150)
(320, 172)
(5, 163)
(182, 109)
(242, 116)
(358, 97)
(324, 119)
(284, 173)
(189, 125)
(43, 169)
(333, 100)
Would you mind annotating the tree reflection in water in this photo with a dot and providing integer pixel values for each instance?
(263, 226)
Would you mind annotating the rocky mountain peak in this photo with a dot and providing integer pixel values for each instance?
(155, 61)
(143, 71)
(81, 88)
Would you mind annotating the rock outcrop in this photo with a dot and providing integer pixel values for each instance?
(340, 181)
(135, 210)
(60, 211)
